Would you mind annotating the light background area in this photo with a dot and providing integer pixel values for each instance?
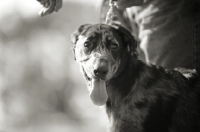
(41, 87)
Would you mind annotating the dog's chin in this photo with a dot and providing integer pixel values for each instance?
(97, 89)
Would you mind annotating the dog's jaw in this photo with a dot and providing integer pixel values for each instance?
(97, 89)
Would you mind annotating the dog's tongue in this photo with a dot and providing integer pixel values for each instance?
(98, 93)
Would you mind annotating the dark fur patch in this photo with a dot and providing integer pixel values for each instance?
(160, 115)
(141, 104)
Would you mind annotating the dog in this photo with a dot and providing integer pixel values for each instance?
(138, 97)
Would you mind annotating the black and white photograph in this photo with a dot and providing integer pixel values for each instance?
(100, 66)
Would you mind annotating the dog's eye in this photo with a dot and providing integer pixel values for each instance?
(114, 46)
(87, 44)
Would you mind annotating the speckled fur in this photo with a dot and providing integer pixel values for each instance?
(148, 98)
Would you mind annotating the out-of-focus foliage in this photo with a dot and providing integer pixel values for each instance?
(41, 87)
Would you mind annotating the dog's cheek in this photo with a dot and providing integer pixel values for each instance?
(113, 67)
(116, 68)
(87, 67)
(79, 54)
(115, 55)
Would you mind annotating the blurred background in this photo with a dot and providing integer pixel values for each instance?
(41, 87)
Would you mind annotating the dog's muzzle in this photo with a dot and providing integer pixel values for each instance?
(100, 68)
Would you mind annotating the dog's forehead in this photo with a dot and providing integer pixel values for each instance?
(103, 32)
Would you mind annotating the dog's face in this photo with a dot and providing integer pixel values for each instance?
(99, 50)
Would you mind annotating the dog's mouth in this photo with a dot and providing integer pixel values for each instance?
(86, 76)
(97, 88)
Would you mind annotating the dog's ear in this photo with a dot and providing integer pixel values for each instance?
(127, 38)
(74, 36)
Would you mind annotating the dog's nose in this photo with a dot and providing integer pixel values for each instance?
(100, 69)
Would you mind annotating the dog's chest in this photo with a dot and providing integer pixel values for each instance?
(127, 117)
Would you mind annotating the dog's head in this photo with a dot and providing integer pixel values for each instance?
(100, 50)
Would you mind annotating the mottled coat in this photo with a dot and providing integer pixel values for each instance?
(141, 97)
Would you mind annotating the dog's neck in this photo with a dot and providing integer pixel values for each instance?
(122, 84)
